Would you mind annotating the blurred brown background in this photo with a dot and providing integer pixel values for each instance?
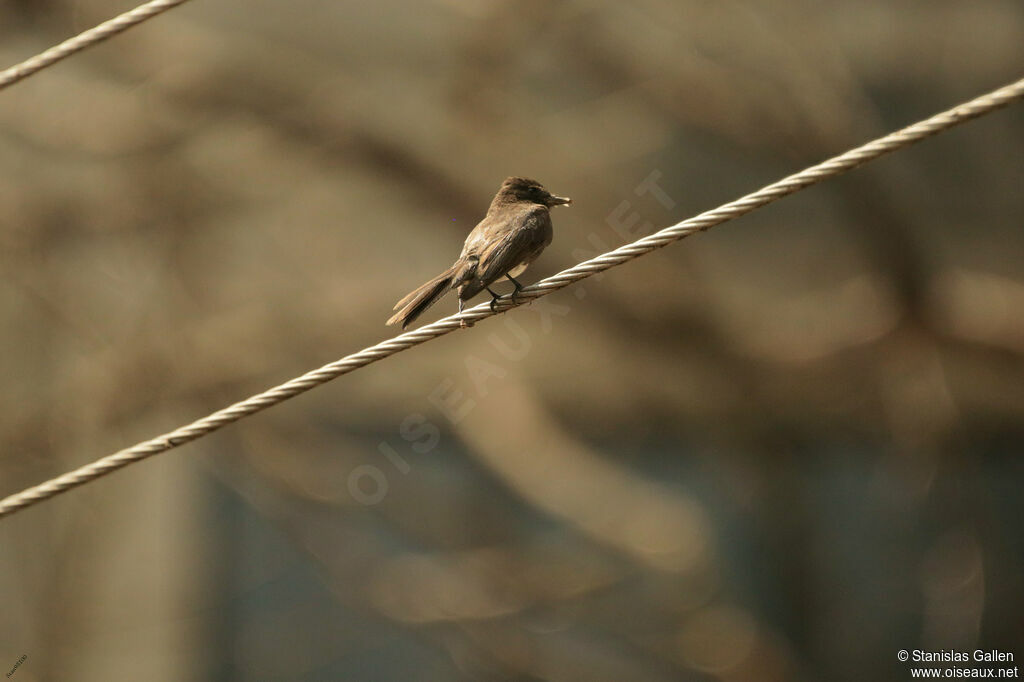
(782, 450)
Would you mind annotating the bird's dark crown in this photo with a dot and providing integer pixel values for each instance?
(524, 189)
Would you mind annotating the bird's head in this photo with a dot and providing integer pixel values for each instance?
(524, 189)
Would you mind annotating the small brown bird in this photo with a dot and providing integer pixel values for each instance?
(515, 230)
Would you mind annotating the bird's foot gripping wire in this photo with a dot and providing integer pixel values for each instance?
(516, 284)
(494, 299)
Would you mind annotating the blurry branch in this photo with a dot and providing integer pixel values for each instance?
(640, 518)
(506, 595)
(319, 548)
(507, 601)
(662, 531)
(480, 605)
(86, 39)
(981, 308)
(730, 211)
(261, 85)
(815, 325)
(806, 111)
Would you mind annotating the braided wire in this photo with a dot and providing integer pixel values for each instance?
(788, 185)
(85, 39)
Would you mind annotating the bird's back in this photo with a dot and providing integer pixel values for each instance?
(505, 242)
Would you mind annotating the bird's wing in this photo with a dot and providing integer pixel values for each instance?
(509, 251)
(505, 253)
(484, 233)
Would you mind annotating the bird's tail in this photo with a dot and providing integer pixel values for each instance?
(418, 300)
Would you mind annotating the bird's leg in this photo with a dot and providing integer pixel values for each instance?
(462, 323)
(494, 298)
(516, 284)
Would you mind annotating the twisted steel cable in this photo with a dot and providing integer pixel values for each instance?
(789, 185)
(86, 39)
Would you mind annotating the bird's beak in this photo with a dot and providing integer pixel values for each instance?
(555, 201)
